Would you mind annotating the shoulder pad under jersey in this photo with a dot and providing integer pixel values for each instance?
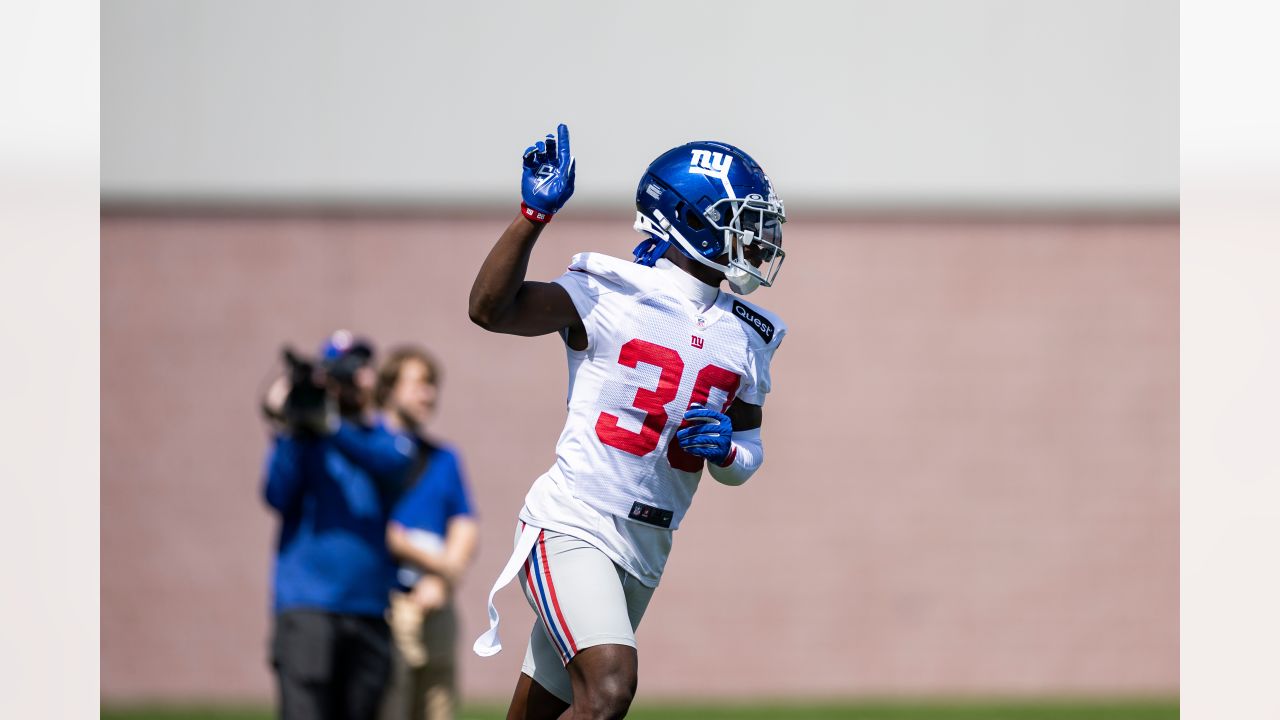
(623, 275)
(765, 324)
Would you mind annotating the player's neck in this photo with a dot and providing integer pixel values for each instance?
(704, 274)
(694, 289)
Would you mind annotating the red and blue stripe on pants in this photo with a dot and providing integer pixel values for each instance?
(537, 572)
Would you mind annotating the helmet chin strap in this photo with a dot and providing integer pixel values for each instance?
(739, 276)
(742, 282)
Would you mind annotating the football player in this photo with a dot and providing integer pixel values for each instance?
(667, 375)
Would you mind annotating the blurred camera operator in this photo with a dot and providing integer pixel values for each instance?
(433, 533)
(333, 476)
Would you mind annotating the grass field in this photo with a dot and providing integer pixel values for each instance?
(773, 710)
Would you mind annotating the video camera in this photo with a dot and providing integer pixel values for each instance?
(313, 381)
(305, 405)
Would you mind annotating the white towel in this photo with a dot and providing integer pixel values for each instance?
(488, 643)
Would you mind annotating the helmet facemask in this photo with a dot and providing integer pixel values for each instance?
(752, 238)
(714, 203)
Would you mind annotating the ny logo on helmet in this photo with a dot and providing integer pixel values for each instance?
(707, 162)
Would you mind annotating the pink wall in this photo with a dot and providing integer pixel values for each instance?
(972, 482)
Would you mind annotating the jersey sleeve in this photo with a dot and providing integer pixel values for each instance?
(586, 288)
(759, 382)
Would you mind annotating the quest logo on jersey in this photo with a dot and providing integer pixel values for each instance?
(754, 321)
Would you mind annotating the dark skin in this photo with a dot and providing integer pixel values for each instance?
(603, 677)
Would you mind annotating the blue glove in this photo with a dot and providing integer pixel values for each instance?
(709, 434)
(547, 183)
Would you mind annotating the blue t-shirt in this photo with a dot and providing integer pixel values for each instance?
(334, 496)
(438, 495)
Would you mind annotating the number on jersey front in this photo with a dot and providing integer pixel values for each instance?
(653, 403)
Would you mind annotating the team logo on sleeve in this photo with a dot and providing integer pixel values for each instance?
(754, 321)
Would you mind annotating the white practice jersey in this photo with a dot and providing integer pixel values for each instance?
(658, 341)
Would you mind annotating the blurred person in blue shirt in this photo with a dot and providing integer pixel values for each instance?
(433, 533)
(333, 474)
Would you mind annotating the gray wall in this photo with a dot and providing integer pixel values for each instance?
(922, 103)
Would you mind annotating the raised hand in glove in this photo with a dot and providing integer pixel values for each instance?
(547, 183)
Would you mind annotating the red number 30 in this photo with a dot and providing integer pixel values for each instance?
(654, 402)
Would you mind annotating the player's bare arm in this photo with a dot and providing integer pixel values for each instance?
(501, 299)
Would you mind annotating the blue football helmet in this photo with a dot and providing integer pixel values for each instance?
(718, 207)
